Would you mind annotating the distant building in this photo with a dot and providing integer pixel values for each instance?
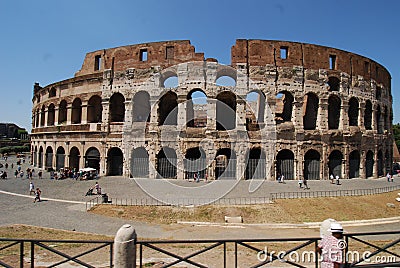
(11, 130)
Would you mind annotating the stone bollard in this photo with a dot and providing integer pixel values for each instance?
(125, 247)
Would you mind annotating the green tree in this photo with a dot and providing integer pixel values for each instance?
(396, 134)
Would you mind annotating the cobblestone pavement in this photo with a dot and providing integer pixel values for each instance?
(19, 208)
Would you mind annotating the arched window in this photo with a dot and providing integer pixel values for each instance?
(168, 109)
(92, 158)
(195, 163)
(225, 164)
(226, 111)
(141, 107)
(256, 164)
(312, 163)
(62, 112)
(310, 108)
(196, 109)
(334, 104)
(51, 113)
(353, 112)
(255, 107)
(40, 160)
(334, 83)
(42, 116)
(94, 109)
(335, 163)
(60, 158)
(117, 108)
(354, 164)
(115, 161)
(49, 158)
(37, 118)
(380, 164)
(284, 107)
(52, 92)
(74, 157)
(76, 116)
(369, 164)
(368, 115)
(378, 116)
(166, 163)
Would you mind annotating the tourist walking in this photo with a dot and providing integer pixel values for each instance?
(337, 180)
(31, 188)
(38, 193)
(332, 247)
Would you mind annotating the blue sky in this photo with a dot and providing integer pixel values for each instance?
(46, 41)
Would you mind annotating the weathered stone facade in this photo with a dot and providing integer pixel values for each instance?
(315, 111)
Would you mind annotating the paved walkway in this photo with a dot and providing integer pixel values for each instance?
(64, 205)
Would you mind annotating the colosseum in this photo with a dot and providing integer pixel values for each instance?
(163, 110)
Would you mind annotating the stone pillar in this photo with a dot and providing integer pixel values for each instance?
(84, 112)
(46, 117)
(345, 163)
(125, 247)
(56, 111)
(344, 116)
(69, 114)
(212, 114)
(361, 110)
(322, 117)
(241, 114)
(82, 152)
(297, 114)
(375, 169)
(362, 164)
(181, 120)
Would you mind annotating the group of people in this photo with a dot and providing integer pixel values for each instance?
(334, 179)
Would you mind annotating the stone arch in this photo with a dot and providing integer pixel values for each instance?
(285, 164)
(115, 162)
(168, 109)
(255, 109)
(40, 160)
(310, 108)
(117, 108)
(52, 92)
(51, 114)
(334, 104)
(334, 83)
(353, 111)
(312, 163)
(225, 164)
(167, 163)
(368, 115)
(226, 76)
(48, 158)
(74, 158)
(256, 164)
(226, 110)
(196, 108)
(195, 162)
(62, 112)
(369, 164)
(60, 158)
(169, 79)
(380, 164)
(94, 109)
(354, 164)
(92, 158)
(141, 107)
(140, 163)
(284, 107)
(335, 163)
(42, 116)
(76, 116)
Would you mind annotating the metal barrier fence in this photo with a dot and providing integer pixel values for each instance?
(382, 248)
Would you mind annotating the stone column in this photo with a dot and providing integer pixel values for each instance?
(212, 114)
(322, 117)
(241, 113)
(84, 112)
(297, 114)
(125, 247)
(344, 116)
(82, 152)
(56, 111)
(375, 168)
(69, 114)
(362, 164)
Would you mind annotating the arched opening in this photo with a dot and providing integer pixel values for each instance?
(49, 158)
(140, 163)
(51, 115)
(256, 164)
(225, 81)
(335, 163)
(285, 164)
(353, 112)
(368, 115)
(284, 107)
(42, 116)
(195, 163)
(196, 109)
(226, 111)
(171, 82)
(334, 83)
(117, 108)
(92, 158)
(310, 108)
(141, 107)
(333, 112)
(378, 93)
(378, 120)
(60, 158)
(94, 109)
(115, 162)
(225, 164)
(354, 164)
(35, 157)
(388, 161)
(37, 118)
(74, 157)
(386, 119)
(255, 107)
(62, 112)
(312, 163)
(166, 163)
(52, 92)
(40, 161)
(168, 109)
(76, 116)
(380, 164)
(369, 164)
